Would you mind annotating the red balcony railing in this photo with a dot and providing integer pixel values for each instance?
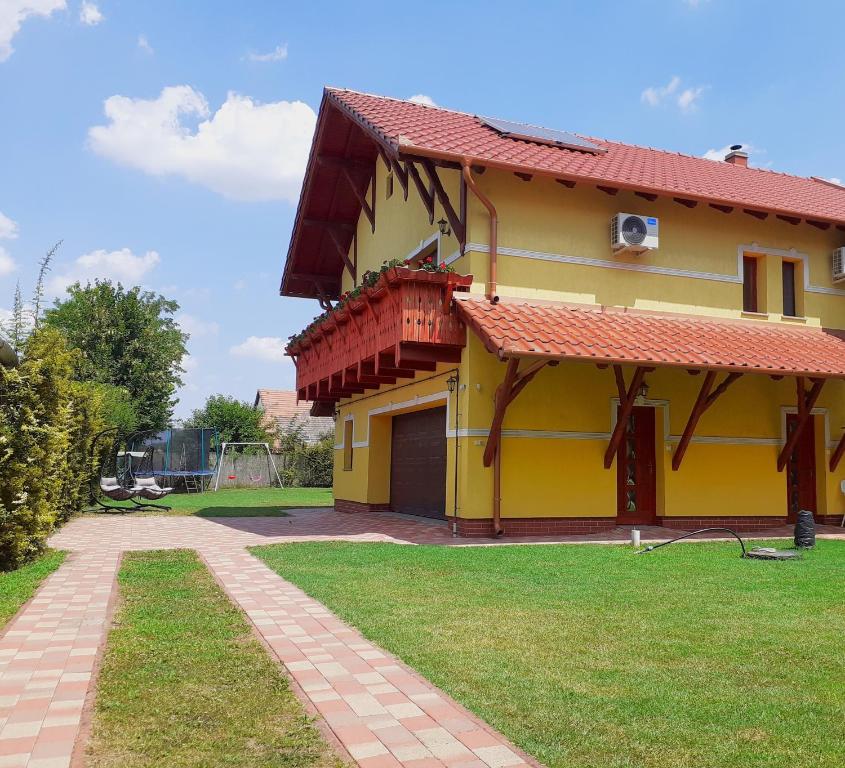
(402, 324)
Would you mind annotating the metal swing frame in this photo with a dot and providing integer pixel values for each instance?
(271, 465)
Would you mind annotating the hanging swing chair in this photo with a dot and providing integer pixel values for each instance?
(110, 487)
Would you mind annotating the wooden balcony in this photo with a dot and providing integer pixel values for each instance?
(403, 324)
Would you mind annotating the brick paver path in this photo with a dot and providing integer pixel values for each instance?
(383, 714)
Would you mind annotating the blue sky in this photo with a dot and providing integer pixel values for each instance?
(164, 142)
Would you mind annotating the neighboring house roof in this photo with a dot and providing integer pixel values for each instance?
(356, 126)
(281, 408)
(608, 335)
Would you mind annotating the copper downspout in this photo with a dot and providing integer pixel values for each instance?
(497, 491)
(494, 228)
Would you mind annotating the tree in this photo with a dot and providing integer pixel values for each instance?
(235, 420)
(127, 339)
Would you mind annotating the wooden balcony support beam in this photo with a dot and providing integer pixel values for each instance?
(806, 402)
(626, 408)
(430, 353)
(837, 453)
(706, 397)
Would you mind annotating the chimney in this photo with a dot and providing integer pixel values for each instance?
(736, 156)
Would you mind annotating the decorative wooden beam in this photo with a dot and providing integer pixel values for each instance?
(426, 195)
(340, 226)
(837, 453)
(818, 224)
(608, 190)
(401, 174)
(454, 220)
(706, 397)
(568, 183)
(806, 403)
(369, 210)
(686, 202)
(722, 208)
(650, 196)
(789, 219)
(347, 163)
(756, 214)
(344, 253)
(523, 176)
(500, 405)
(623, 416)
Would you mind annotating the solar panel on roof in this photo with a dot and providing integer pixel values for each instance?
(540, 135)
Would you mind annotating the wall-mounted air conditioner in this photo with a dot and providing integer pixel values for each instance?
(631, 233)
(837, 265)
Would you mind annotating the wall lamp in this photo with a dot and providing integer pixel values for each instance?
(452, 383)
(444, 227)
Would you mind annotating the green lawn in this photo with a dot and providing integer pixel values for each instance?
(592, 656)
(185, 683)
(16, 587)
(239, 502)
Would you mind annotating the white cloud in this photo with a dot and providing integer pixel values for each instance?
(268, 348)
(123, 266)
(719, 154)
(13, 13)
(7, 263)
(195, 327)
(686, 100)
(144, 45)
(244, 151)
(279, 53)
(421, 98)
(835, 180)
(655, 95)
(90, 14)
(8, 228)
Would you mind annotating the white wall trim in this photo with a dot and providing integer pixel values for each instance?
(433, 238)
(669, 271)
(390, 407)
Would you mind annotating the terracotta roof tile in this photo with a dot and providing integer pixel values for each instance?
(280, 407)
(406, 125)
(617, 336)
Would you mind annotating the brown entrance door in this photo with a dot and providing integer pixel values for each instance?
(801, 470)
(636, 489)
(418, 463)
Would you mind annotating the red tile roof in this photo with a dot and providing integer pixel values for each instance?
(280, 408)
(408, 128)
(600, 334)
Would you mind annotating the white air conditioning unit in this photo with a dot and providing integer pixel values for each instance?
(837, 265)
(631, 233)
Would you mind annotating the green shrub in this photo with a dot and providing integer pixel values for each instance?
(47, 421)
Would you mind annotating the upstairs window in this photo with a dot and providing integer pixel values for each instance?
(790, 307)
(750, 284)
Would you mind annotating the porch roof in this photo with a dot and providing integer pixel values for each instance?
(538, 329)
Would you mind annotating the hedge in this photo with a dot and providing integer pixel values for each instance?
(47, 421)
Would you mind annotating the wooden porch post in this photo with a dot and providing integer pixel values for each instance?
(626, 407)
(806, 403)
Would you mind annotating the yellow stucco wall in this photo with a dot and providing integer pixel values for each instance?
(556, 432)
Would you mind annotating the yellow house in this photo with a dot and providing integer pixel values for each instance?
(530, 332)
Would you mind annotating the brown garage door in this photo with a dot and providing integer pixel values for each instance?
(418, 463)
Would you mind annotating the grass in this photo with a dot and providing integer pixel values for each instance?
(185, 683)
(16, 587)
(239, 502)
(591, 656)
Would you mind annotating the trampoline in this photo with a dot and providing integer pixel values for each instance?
(185, 455)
